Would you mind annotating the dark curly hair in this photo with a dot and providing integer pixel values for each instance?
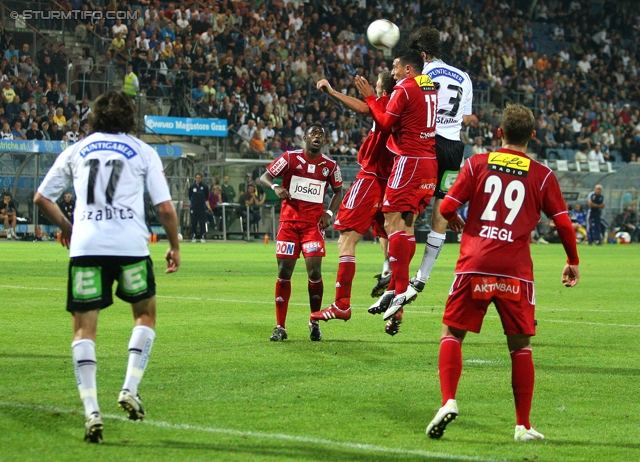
(427, 40)
(112, 112)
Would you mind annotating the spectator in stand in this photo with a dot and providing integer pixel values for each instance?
(34, 132)
(6, 133)
(73, 134)
(18, 132)
(596, 154)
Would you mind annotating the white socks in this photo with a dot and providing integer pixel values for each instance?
(84, 363)
(435, 241)
(386, 267)
(139, 348)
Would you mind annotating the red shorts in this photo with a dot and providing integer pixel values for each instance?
(361, 207)
(294, 236)
(411, 184)
(471, 294)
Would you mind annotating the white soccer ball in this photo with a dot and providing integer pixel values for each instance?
(623, 237)
(383, 34)
(180, 237)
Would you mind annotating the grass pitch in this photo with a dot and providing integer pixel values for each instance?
(217, 389)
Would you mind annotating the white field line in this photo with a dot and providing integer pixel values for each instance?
(430, 307)
(263, 435)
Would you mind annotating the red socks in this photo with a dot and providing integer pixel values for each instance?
(399, 248)
(522, 379)
(449, 367)
(344, 280)
(411, 240)
(283, 293)
(316, 288)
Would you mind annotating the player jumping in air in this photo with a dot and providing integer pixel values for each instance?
(305, 174)
(411, 113)
(362, 205)
(455, 95)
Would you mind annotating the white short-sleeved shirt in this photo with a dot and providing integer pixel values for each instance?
(109, 173)
(455, 95)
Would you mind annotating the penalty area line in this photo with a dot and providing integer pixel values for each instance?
(260, 435)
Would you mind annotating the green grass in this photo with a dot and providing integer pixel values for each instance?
(217, 389)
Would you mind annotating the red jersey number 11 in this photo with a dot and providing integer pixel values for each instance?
(431, 100)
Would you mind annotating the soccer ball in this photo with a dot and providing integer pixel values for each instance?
(623, 237)
(383, 34)
(180, 237)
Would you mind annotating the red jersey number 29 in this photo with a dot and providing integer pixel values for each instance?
(513, 198)
(431, 100)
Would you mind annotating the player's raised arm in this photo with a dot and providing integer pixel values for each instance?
(354, 104)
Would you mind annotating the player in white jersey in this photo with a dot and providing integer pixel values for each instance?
(455, 95)
(108, 242)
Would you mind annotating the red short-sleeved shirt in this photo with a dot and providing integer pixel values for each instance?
(506, 191)
(306, 181)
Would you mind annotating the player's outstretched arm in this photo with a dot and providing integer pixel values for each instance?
(267, 181)
(169, 220)
(55, 215)
(352, 103)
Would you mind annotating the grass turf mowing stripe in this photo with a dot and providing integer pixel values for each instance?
(252, 434)
(265, 302)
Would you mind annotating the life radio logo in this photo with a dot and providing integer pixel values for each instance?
(285, 248)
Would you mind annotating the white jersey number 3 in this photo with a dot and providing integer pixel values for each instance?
(513, 198)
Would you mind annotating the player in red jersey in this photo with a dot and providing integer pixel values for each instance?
(411, 113)
(506, 191)
(361, 207)
(305, 174)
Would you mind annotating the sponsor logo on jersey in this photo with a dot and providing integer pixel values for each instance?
(325, 172)
(112, 146)
(299, 167)
(446, 120)
(427, 135)
(285, 248)
(302, 161)
(278, 166)
(485, 288)
(510, 164)
(441, 71)
(311, 168)
(313, 246)
(425, 82)
(307, 189)
(492, 232)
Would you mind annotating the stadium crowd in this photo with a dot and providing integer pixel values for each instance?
(575, 64)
